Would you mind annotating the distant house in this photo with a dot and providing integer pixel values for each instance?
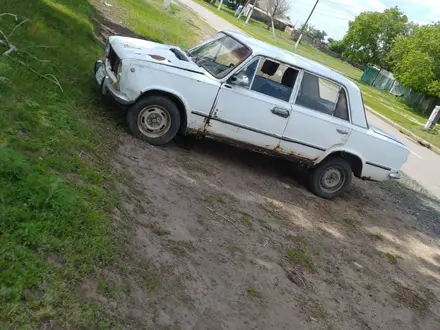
(260, 14)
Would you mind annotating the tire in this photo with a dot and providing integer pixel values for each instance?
(154, 119)
(322, 178)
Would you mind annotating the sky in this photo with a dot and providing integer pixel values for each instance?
(333, 15)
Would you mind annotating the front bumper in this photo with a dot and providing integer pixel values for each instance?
(107, 85)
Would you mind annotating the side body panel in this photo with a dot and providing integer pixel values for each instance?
(310, 133)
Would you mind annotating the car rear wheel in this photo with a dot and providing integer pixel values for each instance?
(154, 119)
(330, 178)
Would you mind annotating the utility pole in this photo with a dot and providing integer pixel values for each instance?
(304, 25)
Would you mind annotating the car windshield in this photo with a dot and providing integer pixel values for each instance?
(221, 55)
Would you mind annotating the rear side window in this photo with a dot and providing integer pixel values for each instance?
(323, 95)
(274, 79)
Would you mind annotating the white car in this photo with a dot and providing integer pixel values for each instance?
(239, 89)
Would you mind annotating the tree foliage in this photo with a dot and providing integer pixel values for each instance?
(337, 46)
(415, 59)
(371, 35)
(314, 33)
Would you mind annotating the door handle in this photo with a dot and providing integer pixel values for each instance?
(341, 131)
(280, 112)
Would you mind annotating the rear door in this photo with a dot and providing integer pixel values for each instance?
(320, 118)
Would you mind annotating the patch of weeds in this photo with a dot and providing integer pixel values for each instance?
(254, 294)
(246, 219)
(299, 256)
(196, 167)
(376, 237)
(158, 230)
(211, 202)
(181, 248)
(265, 224)
(273, 209)
(419, 300)
(221, 200)
(139, 208)
(178, 250)
(392, 259)
(312, 309)
(301, 240)
(350, 222)
(111, 289)
(369, 286)
(150, 276)
(253, 262)
(234, 248)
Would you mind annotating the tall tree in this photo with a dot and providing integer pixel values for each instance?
(415, 60)
(371, 35)
(276, 8)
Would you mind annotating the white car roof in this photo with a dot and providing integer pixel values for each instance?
(262, 48)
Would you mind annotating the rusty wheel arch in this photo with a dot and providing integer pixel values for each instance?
(354, 161)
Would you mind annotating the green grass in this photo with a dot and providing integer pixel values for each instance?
(175, 26)
(392, 259)
(299, 256)
(254, 294)
(56, 184)
(383, 102)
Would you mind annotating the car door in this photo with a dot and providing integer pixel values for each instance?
(253, 106)
(319, 120)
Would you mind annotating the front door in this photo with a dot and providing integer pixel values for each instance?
(253, 107)
(320, 118)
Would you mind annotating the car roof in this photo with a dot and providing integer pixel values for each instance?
(262, 48)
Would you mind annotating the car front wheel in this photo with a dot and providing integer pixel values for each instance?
(154, 119)
(330, 178)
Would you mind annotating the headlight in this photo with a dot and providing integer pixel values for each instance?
(107, 49)
(119, 71)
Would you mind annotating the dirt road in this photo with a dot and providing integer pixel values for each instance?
(231, 239)
(422, 165)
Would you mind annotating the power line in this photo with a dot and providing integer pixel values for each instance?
(305, 24)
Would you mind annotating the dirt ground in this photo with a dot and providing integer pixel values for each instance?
(223, 238)
(237, 242)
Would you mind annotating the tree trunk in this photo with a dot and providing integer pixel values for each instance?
(273, 29)
(249, 16)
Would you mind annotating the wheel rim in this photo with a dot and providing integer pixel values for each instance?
(154, 121)
(332, 179)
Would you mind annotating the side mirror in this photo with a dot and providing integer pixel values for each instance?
(239, 79)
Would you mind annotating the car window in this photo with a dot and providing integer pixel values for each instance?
(248, 73)
(323, 95)
(274, 79)
(221, 55)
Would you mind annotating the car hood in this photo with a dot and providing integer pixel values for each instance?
(382, 133)
(138, 49)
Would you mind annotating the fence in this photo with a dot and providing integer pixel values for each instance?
(384, 80)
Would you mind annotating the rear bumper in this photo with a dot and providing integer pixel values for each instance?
(396, 175)
(108, 84)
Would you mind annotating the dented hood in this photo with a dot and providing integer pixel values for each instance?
(138, 49)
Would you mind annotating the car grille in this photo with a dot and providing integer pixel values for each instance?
(113, 59)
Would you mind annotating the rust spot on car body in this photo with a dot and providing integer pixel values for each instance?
(278, 148)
